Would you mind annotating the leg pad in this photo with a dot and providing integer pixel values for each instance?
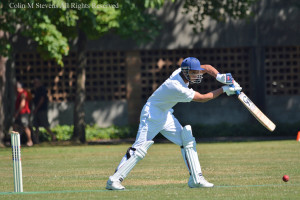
(189, 145)
(138, 155)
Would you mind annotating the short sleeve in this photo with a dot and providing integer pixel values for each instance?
(185, 94)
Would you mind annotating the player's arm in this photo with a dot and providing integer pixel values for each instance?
(21, 106)
(230, 90)
(39, 104)
(208, 96)
(210, 70)
(222, 78)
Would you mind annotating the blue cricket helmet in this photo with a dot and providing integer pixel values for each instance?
(191, 63)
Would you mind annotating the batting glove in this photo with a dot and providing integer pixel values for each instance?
(235, 84)
(225, 78)
(231, 89)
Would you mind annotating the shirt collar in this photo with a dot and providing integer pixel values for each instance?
(182, 81)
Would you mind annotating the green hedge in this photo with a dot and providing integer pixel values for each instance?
(93, 133)
(64, 132)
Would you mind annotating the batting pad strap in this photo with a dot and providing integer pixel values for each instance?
(139, 154)
(128, 152)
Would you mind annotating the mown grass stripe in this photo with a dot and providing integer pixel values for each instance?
(128, 190)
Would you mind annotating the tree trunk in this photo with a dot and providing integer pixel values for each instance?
(10, 93)
(79, 122)
(7, 89)
(2, 92)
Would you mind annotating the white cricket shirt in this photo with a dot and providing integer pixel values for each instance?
(172, 91)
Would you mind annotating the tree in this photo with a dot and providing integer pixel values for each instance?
(91, 23)
(18, 19)
(51, 29)
(218, 10)
(2, 91)
(97, 19)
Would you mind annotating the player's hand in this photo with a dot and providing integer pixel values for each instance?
(225, 78)
(235, 84)
(231, 89)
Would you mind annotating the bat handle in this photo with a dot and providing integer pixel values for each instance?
(237, 92)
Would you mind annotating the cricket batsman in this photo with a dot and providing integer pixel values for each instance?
(157, 116)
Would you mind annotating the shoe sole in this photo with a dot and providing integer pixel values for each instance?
(202, 186)
(109, 188)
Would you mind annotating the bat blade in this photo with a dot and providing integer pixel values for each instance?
(256, 112)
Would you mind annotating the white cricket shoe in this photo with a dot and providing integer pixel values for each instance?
(114, 185)
(202, 183)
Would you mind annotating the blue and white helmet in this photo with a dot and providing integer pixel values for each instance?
(188, 64)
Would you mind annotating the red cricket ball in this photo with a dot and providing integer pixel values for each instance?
(285, 178)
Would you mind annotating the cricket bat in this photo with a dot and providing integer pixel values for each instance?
(256, 112)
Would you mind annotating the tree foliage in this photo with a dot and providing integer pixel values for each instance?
(218, 10)
(36, 24)
(136, 22)
(127, 18)
(51, 29)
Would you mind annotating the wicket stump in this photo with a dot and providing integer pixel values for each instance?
(16, 157)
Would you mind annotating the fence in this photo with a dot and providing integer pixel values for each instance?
(134, 75)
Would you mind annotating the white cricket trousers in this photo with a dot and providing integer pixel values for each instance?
(152, 121)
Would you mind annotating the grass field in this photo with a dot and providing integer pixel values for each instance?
(239, 170)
